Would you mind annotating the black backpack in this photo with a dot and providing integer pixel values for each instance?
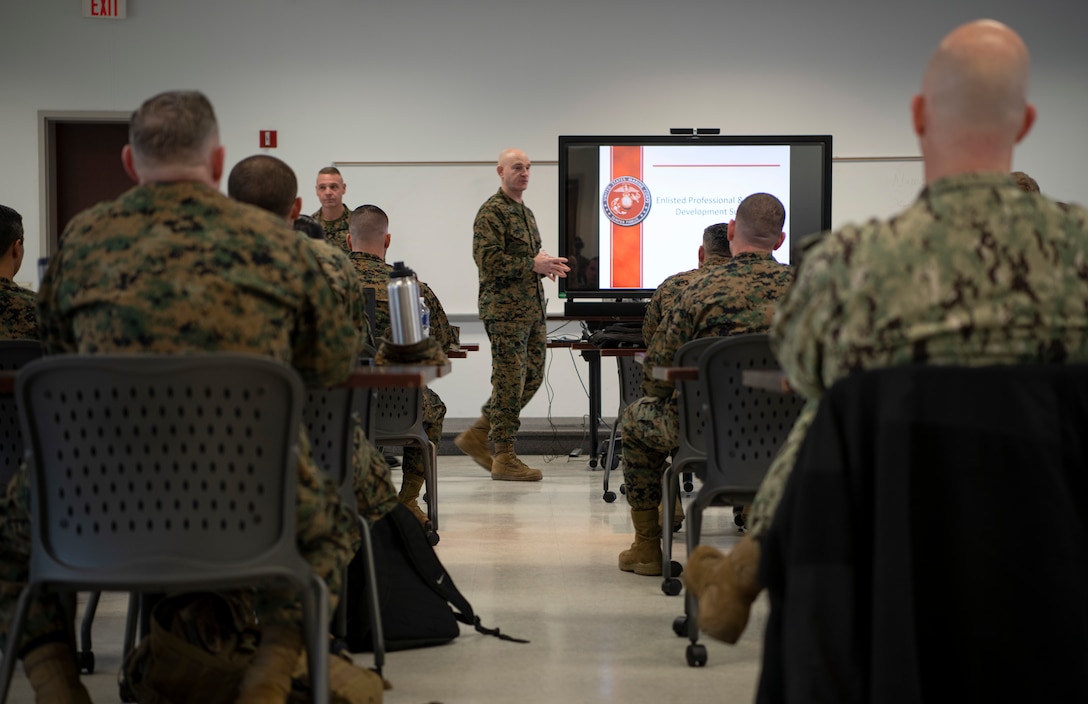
(420, 604)
(621, 334)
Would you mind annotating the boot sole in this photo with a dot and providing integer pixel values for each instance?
(643, 569)
(514, 478)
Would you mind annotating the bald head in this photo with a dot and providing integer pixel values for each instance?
(973, 106)
(513, 169)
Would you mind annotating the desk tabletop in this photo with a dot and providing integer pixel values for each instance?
(676, 373)
(390, 375)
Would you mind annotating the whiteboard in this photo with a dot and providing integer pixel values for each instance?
(432, 205)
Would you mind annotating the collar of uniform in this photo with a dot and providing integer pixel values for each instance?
(368, 256)
(953, 184)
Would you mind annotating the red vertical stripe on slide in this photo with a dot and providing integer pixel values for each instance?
(627, 241)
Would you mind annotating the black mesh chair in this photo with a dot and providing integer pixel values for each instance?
(745, 428)
(165, 473)
(690, 456)
(630, 378)
(14, 354)
(328, 419)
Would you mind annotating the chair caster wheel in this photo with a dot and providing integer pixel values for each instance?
(433, 538)
(689, 487)
(675, 568)
(593, 462)
(680, 626)
(623, 488)
(671, 586)
(696, 655)
(85, 662)
(610, 497)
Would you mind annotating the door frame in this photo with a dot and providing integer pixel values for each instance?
(47, 164)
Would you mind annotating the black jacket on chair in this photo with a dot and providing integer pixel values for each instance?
(932, 542)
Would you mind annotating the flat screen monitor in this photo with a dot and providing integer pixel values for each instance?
(632, 210)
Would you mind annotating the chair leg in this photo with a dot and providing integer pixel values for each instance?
(376, 633)
(430, 477)
(315, 605)
(11, 649)
(85, 656)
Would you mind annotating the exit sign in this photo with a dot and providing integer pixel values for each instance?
(105, 9)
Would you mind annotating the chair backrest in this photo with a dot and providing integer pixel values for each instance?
(692, 451)
(398, 412)
(162, 470)
(631, 375)
(327, 417)
(746, 425)
(14, 354)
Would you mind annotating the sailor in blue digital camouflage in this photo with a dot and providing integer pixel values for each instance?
(975, 272)
(507, 249)
(728, 295)
(333, 214)
(173, 267)
(669, 290)
(269, 183)
(369, 238)
(18, 305)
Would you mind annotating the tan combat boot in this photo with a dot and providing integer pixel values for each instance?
(725, 585)
(52, 671)
(644, 555)
(409, 496)
(473, 442)
(508, 467)
(268, 678)
(677, 515)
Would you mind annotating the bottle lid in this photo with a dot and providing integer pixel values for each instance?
(400, 270)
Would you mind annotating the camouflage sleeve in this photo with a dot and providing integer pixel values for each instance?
(55, 336)
(810, 312)
(440, 323)
(676, 327)
(325, 341)
(489, 233)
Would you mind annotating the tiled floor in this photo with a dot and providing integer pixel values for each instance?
(537, 560)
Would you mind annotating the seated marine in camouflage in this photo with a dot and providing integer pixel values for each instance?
(979, 270)
(18, 306)
(173, 266)
(726, 296)
(369, 238)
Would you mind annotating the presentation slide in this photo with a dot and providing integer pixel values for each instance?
(656, 201)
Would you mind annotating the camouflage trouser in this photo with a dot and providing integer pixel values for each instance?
(327, 536)
(375, 494)
(517, 370)
(434, 412)
(770, 491)
(651, 432)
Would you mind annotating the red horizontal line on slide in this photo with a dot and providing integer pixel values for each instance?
(708, 166)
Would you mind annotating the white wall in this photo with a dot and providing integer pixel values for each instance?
(458, 80)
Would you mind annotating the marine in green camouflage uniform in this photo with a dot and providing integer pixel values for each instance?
(669, 290)
(336, 231)
(975, 272)
(371, 271)
(505, 239)
(18, 312)
(664, 300)
(18, 306)
(175, 268)
(725, 296)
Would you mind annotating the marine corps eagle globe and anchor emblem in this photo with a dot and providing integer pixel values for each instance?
(626, 201)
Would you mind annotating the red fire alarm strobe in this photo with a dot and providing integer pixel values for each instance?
(268, 139)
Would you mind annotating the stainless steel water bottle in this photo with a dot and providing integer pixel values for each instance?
(404, 318)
